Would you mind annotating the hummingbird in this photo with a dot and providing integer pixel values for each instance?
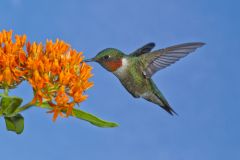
(136, 69)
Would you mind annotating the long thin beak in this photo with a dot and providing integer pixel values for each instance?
(89, 60)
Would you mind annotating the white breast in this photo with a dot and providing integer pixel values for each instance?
(121, 70)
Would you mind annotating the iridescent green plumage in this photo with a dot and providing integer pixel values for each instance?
(136, 69)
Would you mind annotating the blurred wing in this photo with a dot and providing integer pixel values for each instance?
(144, 49)
(162, 58)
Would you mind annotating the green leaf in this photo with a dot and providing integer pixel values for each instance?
(85, 116)
(15, 123)
(92, 119)
(9, 104)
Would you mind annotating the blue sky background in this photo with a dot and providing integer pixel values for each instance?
(203, 88)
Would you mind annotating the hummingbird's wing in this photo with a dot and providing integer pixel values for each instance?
(144, 49)
(162, 58)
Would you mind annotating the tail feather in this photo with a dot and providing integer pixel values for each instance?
(160, 100)
(151, 97)
(168, 108)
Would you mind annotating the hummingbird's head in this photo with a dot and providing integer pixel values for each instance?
(110, 59)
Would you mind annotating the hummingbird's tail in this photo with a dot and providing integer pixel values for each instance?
(166, 106)
(157, 97)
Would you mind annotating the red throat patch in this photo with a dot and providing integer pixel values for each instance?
(113, 65)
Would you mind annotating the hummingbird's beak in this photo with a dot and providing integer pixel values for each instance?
(89, 60)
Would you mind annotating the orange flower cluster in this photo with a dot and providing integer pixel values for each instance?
(12, 59)
(56, 72)
(58, 75)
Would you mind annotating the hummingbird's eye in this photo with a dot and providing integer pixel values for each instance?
(106, 57)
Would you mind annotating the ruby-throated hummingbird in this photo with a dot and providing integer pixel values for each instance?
(136, 69)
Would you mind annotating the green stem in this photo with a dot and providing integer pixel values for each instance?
(6, 91)
(24, 107)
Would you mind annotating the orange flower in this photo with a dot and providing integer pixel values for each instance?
(55, 71)
(12, 59)
(58, 75)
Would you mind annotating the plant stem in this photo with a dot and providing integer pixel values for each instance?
(24, 107)
(6, 91)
